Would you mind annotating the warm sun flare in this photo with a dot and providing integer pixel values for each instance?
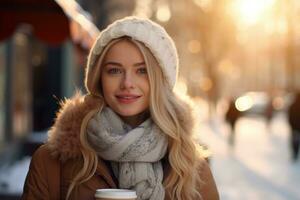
(250, 11)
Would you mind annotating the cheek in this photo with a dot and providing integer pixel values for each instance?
(146, 87)
(107, 88)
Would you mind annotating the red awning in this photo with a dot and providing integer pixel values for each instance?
(48, 20)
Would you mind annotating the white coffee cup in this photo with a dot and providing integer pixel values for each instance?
(115, 194)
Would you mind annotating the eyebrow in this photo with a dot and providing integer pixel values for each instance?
(120, 65)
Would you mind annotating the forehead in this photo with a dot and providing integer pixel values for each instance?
(124, 51)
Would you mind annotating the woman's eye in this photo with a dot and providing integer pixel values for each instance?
(142, 70)
(114, 71)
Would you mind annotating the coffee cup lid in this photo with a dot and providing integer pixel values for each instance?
(115, 193)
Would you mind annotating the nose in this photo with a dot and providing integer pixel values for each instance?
(127, 81)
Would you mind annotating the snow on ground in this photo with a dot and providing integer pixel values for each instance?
(12, 177)
(258, 166)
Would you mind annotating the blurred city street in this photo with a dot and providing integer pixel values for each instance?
(259, 165)
(239, 64)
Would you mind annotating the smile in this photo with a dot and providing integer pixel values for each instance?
(127, 98)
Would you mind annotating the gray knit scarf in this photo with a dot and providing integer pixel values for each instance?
(135, 154)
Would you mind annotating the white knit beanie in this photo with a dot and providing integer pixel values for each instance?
(146, 31)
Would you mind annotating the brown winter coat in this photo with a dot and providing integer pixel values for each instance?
(54, 164)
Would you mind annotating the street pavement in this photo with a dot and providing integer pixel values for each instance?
(259, 165)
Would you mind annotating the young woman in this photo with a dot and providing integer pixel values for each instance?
(130, 131)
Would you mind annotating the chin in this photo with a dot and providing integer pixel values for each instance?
(129, 113)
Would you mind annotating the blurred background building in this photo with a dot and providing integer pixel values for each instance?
(244, 51)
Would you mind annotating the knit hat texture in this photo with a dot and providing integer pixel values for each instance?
(151, 34)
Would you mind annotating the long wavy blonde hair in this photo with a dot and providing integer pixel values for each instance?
(169, 112)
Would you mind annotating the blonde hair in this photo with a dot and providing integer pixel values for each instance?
(166, 110)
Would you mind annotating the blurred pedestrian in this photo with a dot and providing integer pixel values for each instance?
(231, 117)
(294, 120)
(129, 131)
(269, 111)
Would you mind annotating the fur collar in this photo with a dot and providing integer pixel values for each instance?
(63, 137)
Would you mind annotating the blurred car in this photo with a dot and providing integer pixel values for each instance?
(261, 103)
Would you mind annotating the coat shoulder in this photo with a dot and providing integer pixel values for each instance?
(42, 156)
(43, 175)
(42, 153)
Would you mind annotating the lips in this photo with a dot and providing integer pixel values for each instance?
(127, 98)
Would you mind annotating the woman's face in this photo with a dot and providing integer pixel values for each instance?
(124, 80)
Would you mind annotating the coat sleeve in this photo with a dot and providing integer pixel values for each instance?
(42, 181)
(208, 189)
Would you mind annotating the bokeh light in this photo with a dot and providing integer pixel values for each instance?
(194, 46)
(244, 103)
(163, 13)
(206, 84)
(249, 12)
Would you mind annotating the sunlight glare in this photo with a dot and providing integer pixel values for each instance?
(251, 11)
